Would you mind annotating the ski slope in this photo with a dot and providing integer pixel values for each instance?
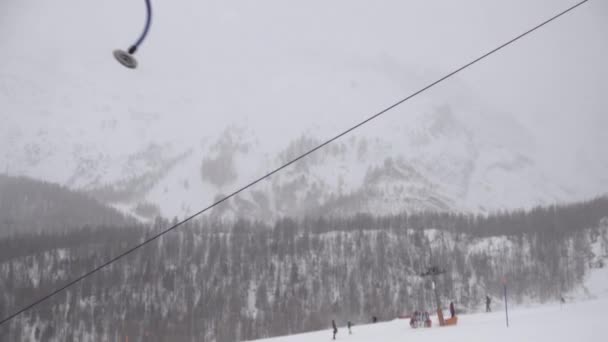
(581, 320)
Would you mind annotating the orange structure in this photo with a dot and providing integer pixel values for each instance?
(446, 322)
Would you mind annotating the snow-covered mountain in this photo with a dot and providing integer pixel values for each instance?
(258, 84)
(432, 161)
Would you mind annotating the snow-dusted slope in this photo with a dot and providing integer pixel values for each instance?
(432, 161)
(581, 318)
(581, 321)
(228, 91)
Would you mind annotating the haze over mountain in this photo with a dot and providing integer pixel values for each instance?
(30, 206)
(227, 91)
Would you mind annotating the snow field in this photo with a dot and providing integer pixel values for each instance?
(583, 319)
(580, 321)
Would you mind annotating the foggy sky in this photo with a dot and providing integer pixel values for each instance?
(283, 66)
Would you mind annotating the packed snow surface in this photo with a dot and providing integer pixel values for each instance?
(580, 321)
(582, 318)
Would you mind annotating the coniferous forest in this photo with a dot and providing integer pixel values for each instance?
(214, 280)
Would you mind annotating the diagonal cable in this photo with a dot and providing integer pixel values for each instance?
(327, 142)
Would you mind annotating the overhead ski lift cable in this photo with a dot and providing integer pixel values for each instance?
(313, 150)
(126, 57)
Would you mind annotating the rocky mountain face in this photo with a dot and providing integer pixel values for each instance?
(432, 161)
(262, 84)
(171, 137)
(212, 281)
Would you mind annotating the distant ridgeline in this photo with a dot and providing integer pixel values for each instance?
(214, 281)
(28, 205)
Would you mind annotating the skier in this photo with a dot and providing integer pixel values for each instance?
(349, 324)
(488, 301)
(427, 319)
(374, 319)
(452, 310)
(333, 323)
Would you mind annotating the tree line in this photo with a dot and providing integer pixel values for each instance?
(215, 280)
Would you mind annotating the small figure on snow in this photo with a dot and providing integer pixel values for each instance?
(349, 324)
(333, 323)
(488, 302)
(414, 320)
(452, 310)
(374, 319)
(420, 319)
(427, 320)
(562, 299)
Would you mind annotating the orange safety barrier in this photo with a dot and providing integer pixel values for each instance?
(451, 321)
(446, 322)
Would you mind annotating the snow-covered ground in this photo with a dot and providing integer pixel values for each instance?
(583, 319)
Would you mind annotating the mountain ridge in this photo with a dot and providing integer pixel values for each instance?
(434, 161)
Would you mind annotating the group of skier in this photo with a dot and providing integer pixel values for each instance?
(349, 324)
(418, 319)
